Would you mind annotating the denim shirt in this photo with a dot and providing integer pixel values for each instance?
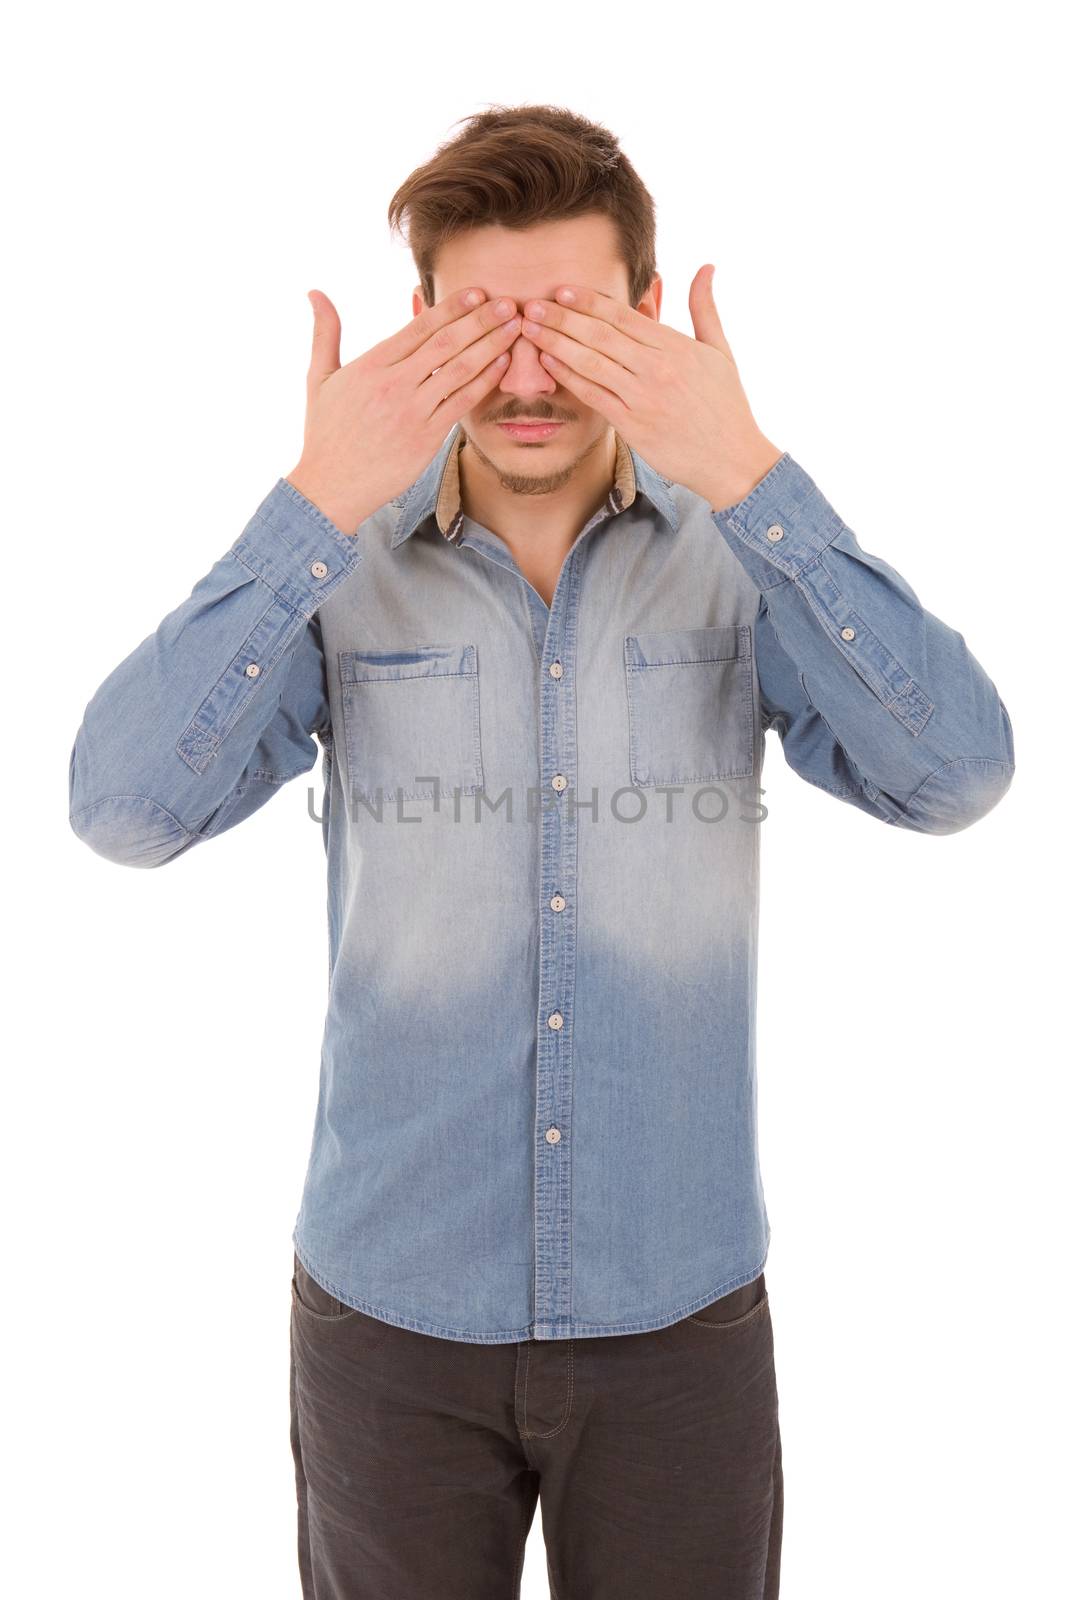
(537, 1109)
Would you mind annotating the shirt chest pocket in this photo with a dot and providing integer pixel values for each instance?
(690, 704)
(412, 720)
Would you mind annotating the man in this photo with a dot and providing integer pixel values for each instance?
(539, 584)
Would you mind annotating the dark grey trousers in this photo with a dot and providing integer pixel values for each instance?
(419, 1461)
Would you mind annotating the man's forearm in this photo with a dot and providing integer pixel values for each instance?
(913, 709)
(170, 734)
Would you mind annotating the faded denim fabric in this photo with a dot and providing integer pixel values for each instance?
(537, 1112)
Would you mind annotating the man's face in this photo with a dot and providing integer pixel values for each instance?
(529, 265)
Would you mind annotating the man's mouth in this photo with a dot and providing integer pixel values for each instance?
(531, 431)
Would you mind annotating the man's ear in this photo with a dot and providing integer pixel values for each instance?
(417, 306)
(650, 302)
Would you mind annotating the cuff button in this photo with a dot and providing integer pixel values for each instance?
(319, 569)
(775, 532)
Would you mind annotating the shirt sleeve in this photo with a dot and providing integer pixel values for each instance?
(876, 700)
(211, 713)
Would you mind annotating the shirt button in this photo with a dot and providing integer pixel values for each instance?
(251, 671)
(553, 1135)
(319, 569)
(559, 782)
(775, 532)
(555, 1020)
(556, 669)
(848, 633)
(557, 902)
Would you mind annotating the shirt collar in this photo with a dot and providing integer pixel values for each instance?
(436, 491)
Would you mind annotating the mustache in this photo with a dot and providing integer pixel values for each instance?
(531, 417)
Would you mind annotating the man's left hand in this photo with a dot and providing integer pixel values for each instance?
(677, 401)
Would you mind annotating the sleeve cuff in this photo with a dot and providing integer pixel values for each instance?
(785, 521)
(296, 550)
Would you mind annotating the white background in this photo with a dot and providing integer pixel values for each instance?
(879, 193)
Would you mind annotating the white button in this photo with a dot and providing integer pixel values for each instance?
(559, 782)
(553, 1136)
(848, 633)
(555, 1020)
(556, 669)
(775, 532)
(251, 671)
(319, 569)
(557, 902)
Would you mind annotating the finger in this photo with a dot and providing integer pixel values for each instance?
(596, 367)
(457, 403)
(453, 338)
(705, 314)
(645, 330)
(430, 320)
(466, 365)
(325, 339)
(594, 332)
(603, 400)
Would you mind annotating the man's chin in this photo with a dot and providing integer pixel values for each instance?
(525, 468)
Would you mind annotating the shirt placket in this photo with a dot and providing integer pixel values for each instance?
(558, 816)
(559, 812)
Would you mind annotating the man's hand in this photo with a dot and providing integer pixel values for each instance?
(677, 401)
(374, 424)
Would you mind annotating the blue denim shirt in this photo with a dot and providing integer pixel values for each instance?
(537, 1106)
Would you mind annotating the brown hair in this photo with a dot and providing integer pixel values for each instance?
(515, 166)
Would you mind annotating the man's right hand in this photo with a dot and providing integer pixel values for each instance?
(374, 424)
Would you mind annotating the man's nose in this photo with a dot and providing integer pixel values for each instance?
(525, 373)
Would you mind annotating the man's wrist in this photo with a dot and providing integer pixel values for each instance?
(731, 481)
(344, 516)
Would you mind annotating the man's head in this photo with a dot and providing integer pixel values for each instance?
(524, 200)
